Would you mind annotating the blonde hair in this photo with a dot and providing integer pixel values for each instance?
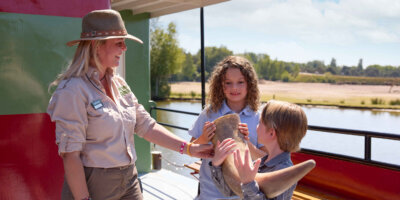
(289, 122)
(216, 94)
(81, 61)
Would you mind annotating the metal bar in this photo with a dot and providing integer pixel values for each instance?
(173, 126)
(367, 148)
(354, 132)
(202, 60)
(176, 111)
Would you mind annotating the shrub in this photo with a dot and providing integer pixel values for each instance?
(377, 101)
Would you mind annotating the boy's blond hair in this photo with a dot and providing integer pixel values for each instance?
(289, 122)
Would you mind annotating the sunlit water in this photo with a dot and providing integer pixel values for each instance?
(380, 121)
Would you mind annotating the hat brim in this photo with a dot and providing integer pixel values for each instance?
(128, 36)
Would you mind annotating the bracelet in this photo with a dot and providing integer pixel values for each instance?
(188, 149)
(182, 147)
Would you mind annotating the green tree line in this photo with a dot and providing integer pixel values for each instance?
(171, 63)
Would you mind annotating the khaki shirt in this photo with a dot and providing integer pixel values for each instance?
(89, 121)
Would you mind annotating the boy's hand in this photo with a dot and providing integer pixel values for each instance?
(222, 150)
(247, 172)
(208, 133)
(243, 129)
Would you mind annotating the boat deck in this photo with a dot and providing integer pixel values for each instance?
(168, 185)
(164, 184)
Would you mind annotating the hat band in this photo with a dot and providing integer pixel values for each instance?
(104, 33)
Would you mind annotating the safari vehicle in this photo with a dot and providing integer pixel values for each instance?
(33, 51)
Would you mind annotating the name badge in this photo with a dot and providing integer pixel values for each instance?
(97, 104)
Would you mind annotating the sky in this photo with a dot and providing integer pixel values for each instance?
(298, 30)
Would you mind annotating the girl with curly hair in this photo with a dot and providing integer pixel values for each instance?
(233, 89)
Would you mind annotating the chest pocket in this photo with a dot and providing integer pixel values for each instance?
(128, 110)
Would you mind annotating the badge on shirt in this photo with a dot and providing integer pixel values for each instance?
(124, 90)
(97, 104)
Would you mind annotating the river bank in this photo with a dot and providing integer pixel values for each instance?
(344, 96)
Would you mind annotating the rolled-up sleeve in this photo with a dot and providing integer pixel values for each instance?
(143, 119)
(68, 110)
(219, 181)
(251, 191)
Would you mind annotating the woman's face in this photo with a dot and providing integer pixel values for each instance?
(235, 86)
(110, 52)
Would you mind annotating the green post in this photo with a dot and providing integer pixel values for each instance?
(137, 75)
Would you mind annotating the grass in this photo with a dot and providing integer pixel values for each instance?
(349, 102)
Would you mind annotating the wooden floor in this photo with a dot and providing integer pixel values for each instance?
(166, 185)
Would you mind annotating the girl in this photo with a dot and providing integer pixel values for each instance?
(233, 89)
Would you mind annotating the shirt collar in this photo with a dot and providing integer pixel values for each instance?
(93, 73)
(226, 110)
(284, 156)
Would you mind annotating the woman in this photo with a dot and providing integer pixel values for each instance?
(96, 115)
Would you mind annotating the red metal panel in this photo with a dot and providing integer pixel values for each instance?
(30, 167)
(349, 179)
(70, 8)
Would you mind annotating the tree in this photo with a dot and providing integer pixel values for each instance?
(213, 55)
(166, 58)
(360, 64)
(189, 71)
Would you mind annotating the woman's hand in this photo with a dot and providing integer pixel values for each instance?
(208, 133)
(222, 150)
(201, 150)
(243, 129)
(247, 172)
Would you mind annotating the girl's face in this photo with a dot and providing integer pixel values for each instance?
(110, 52)
(235, 86)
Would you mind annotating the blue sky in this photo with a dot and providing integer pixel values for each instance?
(298, 30)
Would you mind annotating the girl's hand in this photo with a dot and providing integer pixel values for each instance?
(247, 172)
(208, 133)
(222, 150)
(244, 130)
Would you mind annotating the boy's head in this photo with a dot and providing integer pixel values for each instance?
(289, 122)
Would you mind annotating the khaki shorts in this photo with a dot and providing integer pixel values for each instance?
(109, 183)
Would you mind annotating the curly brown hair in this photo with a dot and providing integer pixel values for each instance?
(216, 94)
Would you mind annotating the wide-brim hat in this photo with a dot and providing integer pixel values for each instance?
(103, 25)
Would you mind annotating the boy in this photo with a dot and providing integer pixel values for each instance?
(281, 128)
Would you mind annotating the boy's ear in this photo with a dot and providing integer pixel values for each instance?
(272, 132)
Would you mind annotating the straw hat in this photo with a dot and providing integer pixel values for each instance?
(101, 25)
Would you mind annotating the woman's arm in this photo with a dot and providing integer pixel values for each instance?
(75, 174)
(161, 136)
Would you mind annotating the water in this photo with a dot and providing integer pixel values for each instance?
(382, 150)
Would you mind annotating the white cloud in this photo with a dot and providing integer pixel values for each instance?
(312, 28)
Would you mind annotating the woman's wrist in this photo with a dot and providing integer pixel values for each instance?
(188, 150)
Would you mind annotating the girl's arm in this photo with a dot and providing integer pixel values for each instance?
(207, 135)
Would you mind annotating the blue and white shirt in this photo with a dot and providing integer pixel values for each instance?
(208, 190)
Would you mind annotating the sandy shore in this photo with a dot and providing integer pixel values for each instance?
(311, 92)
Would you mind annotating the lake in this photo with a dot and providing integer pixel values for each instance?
(382, 150)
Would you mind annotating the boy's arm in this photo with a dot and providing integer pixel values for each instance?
(218, 179)
(251, 191)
